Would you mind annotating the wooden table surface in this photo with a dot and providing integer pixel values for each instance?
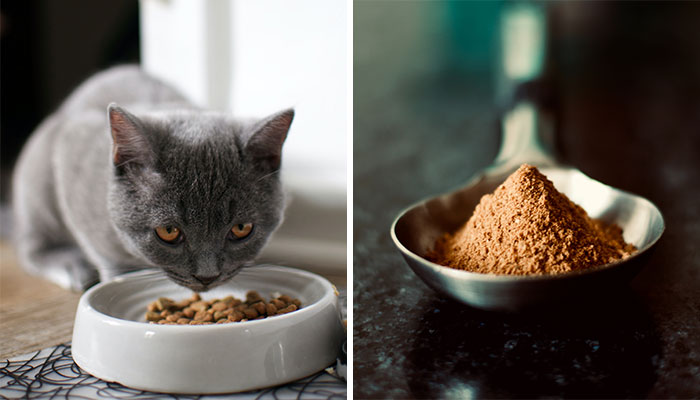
(35, 314)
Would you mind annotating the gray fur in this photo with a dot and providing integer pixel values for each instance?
(92, 184)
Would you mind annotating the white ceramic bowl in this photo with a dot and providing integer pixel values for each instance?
(111, 340)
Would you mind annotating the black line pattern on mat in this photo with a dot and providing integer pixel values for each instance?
(52, 374)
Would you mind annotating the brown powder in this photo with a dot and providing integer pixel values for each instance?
(528, 227)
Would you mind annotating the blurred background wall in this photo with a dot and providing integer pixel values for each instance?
(49, 47)
(425, 69)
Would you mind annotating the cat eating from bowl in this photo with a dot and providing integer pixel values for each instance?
(127, 174)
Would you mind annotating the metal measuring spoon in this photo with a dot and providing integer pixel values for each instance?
(525, 140)
(417, 228)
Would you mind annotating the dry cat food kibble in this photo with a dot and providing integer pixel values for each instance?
(527, 227)
(195, 311)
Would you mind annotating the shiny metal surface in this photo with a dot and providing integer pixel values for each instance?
(416, 229)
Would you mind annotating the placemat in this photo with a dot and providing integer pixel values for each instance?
(51, 373)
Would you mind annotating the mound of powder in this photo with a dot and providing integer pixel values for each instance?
(528, 227)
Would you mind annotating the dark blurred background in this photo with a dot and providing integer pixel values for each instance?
(623, 82)
(47, 49)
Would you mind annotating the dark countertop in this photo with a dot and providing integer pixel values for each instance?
(628, 100)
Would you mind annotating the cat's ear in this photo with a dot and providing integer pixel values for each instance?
(265, 144)
(129, 146)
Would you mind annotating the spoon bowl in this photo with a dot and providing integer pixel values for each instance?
(416, 229)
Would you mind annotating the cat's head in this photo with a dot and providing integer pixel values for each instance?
(194, 193)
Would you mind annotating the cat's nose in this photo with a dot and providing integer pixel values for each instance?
(206, 279)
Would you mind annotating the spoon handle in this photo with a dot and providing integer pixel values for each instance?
(527, 137)
(526, 128)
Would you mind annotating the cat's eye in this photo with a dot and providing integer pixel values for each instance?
(169, 234)
(241, 231)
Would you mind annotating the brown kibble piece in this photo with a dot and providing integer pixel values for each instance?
(199, 315)
(278, 303)
(270, 309)
(153, 316)
(287, 309)
(250, 313)
(203, 316)
(183, 321)
(259, 307)
(163, 303)
(219, 315)
(199, 305)
(296, 302)
(285, 299)
(252, 297)
(172, 318)
(235, 317)
(219, 306)
(527, 227)
(152, 307)
(188, 312)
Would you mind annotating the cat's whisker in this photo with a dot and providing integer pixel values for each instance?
(268, 175)
(250, 265)
(151, 271)
(147, 272)
(270, 262)
(257, 265)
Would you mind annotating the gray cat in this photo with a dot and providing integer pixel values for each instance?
(99, 191)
